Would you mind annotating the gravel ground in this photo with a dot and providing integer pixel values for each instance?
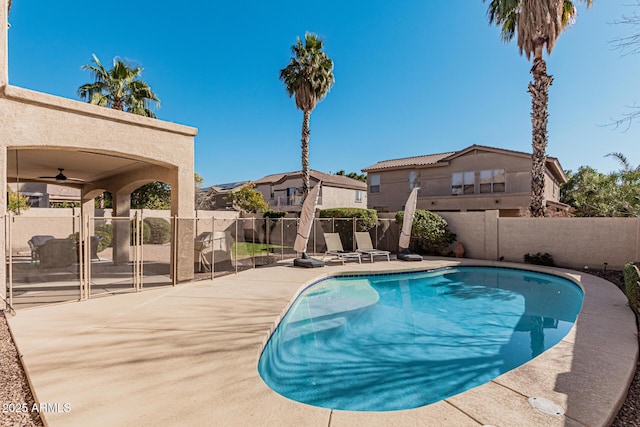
(14, 388)
(15, 395)
(629, 414)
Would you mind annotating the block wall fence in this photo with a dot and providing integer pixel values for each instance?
(573, 242)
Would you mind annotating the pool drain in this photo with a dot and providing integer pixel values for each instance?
(546, 406)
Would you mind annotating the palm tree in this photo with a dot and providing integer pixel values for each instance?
(538, 23)
(119, 88)
(624, 163)
(309, 76)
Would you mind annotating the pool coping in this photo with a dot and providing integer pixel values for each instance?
(189, 354)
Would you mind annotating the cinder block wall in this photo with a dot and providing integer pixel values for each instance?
(573, 242)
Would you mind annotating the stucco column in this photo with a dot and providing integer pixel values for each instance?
(121, 227)
(182, 205)
(491, 242)
(88, 208)
(3, 210)
(4, 44)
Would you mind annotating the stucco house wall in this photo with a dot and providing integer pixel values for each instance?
(339, 194)
(435, 181)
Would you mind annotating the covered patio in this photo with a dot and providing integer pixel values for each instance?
(94, 149)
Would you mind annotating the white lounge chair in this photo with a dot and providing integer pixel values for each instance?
(334, 247)
(365, 247)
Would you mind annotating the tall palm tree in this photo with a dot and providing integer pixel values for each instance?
(538, 24)
(309, 76)
(119, 88)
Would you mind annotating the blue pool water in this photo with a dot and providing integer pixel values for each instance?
(400, 341)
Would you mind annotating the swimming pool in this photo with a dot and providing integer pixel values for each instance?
(404, 340)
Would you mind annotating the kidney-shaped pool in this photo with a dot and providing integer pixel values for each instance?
(403, 340)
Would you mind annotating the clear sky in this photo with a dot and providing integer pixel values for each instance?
(412, 77)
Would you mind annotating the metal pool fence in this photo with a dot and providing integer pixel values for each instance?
(70, 258)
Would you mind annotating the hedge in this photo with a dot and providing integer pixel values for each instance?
(159, 231)
(366, 220)
(429, 232)
(632, 289)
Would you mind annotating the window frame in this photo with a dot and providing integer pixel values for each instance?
(374, 187)
(463, 183)
(494, 185)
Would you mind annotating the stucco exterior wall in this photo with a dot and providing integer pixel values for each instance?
(4, 51)
(573, 242)
(435, 184)
(332, 197)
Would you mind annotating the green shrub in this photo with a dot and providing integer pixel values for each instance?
(105, 231)
(159, 230)
(539, 259)
(632, 289)
(146, 233)
(366, 220)
(429, 233)
(273, 214)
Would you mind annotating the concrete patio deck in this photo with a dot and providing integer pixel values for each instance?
(187, 355)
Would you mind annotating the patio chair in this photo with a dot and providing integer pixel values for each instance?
(36, 242)
(58, 253)
(365, 247)
(334, 247)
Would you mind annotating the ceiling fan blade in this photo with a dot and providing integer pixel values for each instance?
(62, 178)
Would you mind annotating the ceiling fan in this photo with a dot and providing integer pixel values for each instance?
(60, 178)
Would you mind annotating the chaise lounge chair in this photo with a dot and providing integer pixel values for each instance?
(365, 247)
(334, 247)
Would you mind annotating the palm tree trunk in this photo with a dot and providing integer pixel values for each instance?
(117, 104)
(539, 90)
(305, 154)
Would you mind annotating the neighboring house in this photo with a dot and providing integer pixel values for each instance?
(43, 195)
(476, 178)
(283, 191)
(217, 197)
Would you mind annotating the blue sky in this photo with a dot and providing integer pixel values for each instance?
(413, 77)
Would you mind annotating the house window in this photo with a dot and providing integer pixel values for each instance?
(492, 181)
(414, 179)
(374, 183)
(272, 191)
(463, 183)
(358, 196)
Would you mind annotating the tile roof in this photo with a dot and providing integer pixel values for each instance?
(327, 179)
(432, 159)
(429, 159)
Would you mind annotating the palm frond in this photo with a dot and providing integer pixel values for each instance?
(120, 88)
(536, 22)
(309, 74)
(622, 160)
